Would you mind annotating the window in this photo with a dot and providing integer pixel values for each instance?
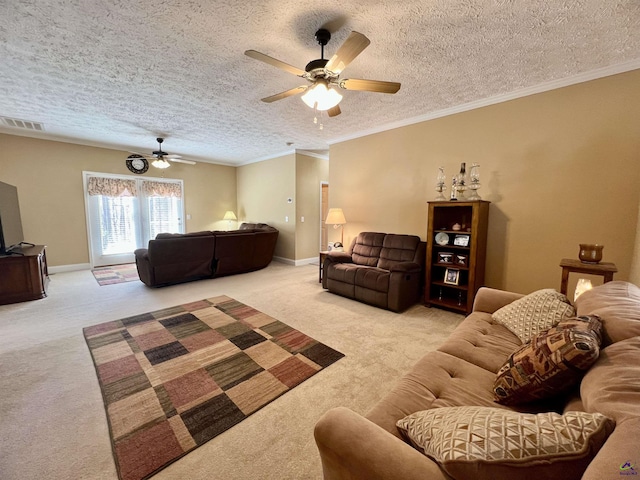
(124, 213)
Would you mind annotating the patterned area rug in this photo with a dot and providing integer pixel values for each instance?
(176, 378)
(116, 274)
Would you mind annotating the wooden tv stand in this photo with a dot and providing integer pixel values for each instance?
(24, 277)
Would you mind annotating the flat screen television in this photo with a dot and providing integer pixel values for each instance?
(11, 236)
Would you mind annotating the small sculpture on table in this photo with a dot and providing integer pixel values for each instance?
(440, 186)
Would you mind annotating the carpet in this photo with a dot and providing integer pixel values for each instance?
(175, 378)
(116, 274)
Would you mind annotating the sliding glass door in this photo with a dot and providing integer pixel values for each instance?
(124, 213)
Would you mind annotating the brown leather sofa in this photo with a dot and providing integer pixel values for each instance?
(381, 269)
(176, 258)
(462, 373)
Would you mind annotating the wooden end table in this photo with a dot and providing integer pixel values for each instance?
(323, 254)
(570, 265)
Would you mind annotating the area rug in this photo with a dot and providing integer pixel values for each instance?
(116, 274)
(174, 379)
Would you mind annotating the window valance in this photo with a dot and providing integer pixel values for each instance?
(111, 187)
(161, 189)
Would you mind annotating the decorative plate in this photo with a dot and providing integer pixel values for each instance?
(137, 163)
(442, 238)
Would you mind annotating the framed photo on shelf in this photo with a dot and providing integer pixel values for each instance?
(451, 276)
(445, 258)
(461, 260)
(461, 240)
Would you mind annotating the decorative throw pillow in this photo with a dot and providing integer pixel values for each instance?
(551, 363)
(495, 443)
(534, 313)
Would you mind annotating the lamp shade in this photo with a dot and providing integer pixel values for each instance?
(335, 217)
(320, 96)
(160, 163)
(229, 215)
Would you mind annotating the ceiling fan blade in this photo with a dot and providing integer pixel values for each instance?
(350, 49)
(334, 111)
(369, 85)
(276, 63)
(180, 160)
(286, 94)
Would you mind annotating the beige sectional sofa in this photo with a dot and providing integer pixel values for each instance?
(462, 372)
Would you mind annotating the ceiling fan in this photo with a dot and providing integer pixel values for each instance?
(324, 74)
(159, 158)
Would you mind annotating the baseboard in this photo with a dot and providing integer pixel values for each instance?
(69, 268)
(288, 261)
(306, 261)
(296, 263)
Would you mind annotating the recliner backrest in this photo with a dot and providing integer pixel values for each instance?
(366, 248)
(399, 249)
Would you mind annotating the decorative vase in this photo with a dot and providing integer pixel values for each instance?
(590, 253)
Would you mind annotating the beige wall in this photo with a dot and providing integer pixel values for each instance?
(49, 179)
(560, 167)
(310, 172)
(263, 190)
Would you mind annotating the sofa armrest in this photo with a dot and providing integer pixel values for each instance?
(338, 257)
(488, 300)
(145, 272)
(353, 448)
(406, 267)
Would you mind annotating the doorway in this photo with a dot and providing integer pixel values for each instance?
(125, 212)
(324, 209)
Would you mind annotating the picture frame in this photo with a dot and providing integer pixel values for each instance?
(445, 258)
(461, 260)
(451, 276)
(461, 240)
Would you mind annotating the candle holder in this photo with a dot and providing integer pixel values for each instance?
(440, 186)
(461, 182)
(474, 185)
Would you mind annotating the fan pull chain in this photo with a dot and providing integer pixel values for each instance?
(317, 113)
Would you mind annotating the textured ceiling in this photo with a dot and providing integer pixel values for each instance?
(119, 73)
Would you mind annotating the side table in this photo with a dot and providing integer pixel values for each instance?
(323, 254)
(569, 265)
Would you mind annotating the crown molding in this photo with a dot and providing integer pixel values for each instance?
(523, 92)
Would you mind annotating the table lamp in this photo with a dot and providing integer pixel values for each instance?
(229, 216)
(336, 218)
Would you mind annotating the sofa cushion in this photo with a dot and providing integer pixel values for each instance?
(164, 236)
(366, 248)
(372, 278)
(534, 313)
(551, 363)
(436, 380)
(618, 306)
(491, 443)
(612, 385)
(482, 341)
(398, 249)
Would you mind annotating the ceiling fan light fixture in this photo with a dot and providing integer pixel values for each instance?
(161, 163)
(320, 96)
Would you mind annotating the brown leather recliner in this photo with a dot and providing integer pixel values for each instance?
(381, 269)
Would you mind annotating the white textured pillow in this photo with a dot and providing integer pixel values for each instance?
(495, 443)
(534, 313)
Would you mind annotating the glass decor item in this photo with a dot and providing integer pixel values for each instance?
(440, 186)
(474, 184)
(583, 285)
(461, 181)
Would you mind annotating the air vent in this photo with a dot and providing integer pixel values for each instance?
(25, 124)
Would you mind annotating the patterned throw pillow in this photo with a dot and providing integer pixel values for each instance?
(553, 362)
(495, 443)
(534, 313)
